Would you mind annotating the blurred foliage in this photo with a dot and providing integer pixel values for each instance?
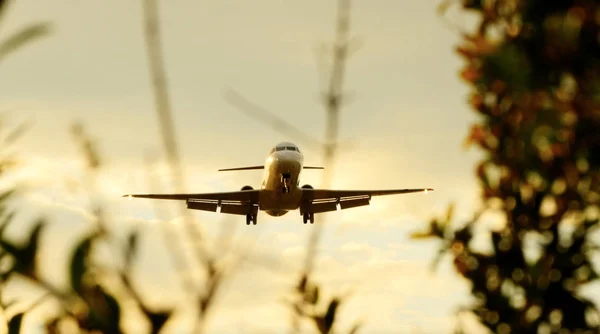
(534, 71)
(23, 36)
(91, 302)
(308, 303)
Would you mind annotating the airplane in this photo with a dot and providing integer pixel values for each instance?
(280, 191)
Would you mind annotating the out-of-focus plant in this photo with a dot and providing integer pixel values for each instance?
(94, 301)
(23, 36)
(534, 70)
(16, 259)
(309, 304)
(208, 261)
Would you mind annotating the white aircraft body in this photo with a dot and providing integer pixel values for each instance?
(280, 191)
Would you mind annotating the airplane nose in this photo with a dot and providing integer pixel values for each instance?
(288, 163)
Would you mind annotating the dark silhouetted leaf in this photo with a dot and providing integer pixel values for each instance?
(157, 319)
(438, 257)
(25, 257)
(132, 243)
(24, 36)
(355, 328)
(51, 326)
(6, 195)
(325, 323)
(315, 295)
(79, 263)
(14, 325)
(104, 310)
(301, 287)
(17, 132)
(3, 6)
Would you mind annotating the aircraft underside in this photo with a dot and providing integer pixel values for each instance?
(280, 192)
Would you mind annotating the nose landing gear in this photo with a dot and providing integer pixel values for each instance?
(286, 180)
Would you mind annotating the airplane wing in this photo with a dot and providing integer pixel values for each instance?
(323, 200)
(241, 168)
(241, 202)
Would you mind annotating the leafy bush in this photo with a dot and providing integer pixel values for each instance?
(534, 69)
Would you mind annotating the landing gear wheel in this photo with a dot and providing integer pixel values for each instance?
(251, 219)
(305, 218)
(312, 218)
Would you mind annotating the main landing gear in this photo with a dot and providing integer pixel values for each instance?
(251, 219)
(309, 217)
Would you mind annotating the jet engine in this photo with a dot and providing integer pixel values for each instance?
(307, 186)
(247, 188)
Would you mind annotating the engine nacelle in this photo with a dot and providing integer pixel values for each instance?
(247, 188)
(307, 186)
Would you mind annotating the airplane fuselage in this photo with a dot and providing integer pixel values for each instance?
(280, 188)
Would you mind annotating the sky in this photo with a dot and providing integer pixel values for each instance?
(406, 123)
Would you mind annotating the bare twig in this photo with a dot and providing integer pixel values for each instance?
(170, 237)
(332, 101)
(277, 123)
(163, 109)
(152, 183)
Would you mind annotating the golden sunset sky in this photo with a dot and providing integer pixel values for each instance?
(406, 121)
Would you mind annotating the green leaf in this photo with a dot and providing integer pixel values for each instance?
(14, 325)
(22, 37)
(508, 64)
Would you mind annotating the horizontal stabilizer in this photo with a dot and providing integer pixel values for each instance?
(259, 167)
(241, 168)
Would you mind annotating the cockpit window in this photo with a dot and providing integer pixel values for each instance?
(285, 148)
